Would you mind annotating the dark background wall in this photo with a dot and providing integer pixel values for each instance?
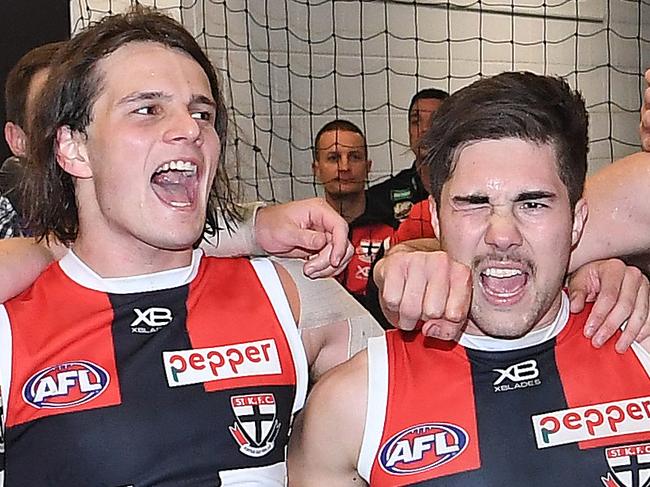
(25, 24)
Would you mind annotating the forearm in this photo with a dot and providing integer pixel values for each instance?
(332, 333)
(235, 239)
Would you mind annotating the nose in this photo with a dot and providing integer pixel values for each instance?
(502, 231)
(182, 127)
(344, 164)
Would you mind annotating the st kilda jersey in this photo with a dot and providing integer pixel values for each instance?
(549, 410)
(184, 377)
(366, 239)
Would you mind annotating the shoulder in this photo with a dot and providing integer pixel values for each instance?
(396, 181)
(326, 439)
(344, 386)
(337, 406)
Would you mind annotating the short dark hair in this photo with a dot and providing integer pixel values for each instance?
(522, 105)
(428, 94)
(68, 100)
(339, 124)
(20, 77)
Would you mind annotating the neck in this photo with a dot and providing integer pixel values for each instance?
(116, 259)
(350, 206)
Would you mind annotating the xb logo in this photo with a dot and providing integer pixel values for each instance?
(150, 320)
(523, 374)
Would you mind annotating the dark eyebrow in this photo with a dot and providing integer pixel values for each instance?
(204, 100)
(143, 96)
(159, 95)
(472, 199)
(534, 195)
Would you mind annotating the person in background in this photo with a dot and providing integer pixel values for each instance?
(394, 198)
(22, 87)
(341, 165)
(644, 125)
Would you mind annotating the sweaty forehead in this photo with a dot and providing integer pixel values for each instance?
(149, 66)
(505, 166)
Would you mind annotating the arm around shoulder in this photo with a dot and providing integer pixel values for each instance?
(326, 440)
(619, 212)
(21, 261)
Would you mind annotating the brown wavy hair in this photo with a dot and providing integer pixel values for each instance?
(68, 98)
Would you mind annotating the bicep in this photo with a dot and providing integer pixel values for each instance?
(325, 442)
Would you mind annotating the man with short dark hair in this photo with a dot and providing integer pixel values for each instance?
(523, 398)
(394, 198)
(341, 165)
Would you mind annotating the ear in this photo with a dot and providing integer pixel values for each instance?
(435, 222)
(71, 153)
(315, 167)
(369, 164)
(579, 218)
(16, 139)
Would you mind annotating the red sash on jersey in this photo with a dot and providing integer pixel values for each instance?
(366, 240)
(63, 358)
(429, 392)
(417, 224)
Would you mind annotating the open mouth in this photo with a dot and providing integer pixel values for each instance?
(503, 285)
(176, 183)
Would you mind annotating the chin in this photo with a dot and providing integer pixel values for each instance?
(179, 241)
(510, 323)
(507, 331)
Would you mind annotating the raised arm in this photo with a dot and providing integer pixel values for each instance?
(300, 229)
(619, 212)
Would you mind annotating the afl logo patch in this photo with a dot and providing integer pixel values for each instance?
(65, 385)
(422, 447)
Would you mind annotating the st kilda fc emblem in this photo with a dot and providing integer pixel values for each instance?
(256, 426)
(629, 466)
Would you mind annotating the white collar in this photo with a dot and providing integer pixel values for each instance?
(73, 267)
(535, 337)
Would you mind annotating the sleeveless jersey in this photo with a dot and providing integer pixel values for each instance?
(557, 413)
(184, 377)
(366, 239)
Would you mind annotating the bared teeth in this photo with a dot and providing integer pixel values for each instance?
(180, 204)
(501, 273)
(185, 166)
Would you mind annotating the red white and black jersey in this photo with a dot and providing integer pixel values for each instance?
(184, 377)
(367, 239)
(544, 410)
(416, 225)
